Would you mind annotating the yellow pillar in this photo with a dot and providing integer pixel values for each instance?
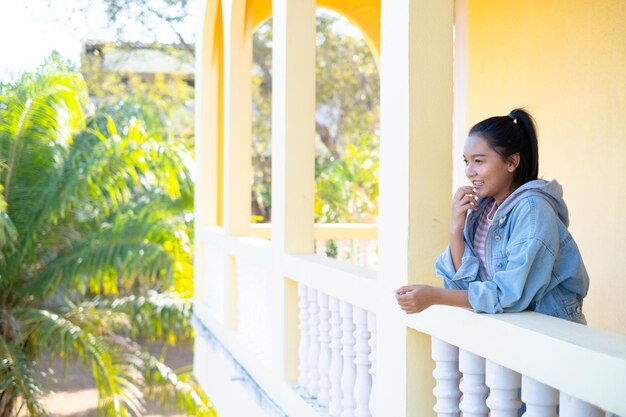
(237, 167)
(293, 163)
(237, 117)
(415, 181)
(208, 131)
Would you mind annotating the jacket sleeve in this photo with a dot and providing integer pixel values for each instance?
(457, 280)
(526, 271)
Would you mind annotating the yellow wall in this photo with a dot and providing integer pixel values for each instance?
(565, 61)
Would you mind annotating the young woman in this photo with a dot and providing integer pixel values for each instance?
(510, 249)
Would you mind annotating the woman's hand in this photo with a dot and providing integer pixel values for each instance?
(463, 200)
(415, 298)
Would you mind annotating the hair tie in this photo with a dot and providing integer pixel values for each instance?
(512, 117)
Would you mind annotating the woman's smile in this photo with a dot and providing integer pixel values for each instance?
(490, 174)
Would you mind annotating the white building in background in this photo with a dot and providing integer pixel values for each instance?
(142, 59)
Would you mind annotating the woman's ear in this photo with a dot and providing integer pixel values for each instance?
(513, 162)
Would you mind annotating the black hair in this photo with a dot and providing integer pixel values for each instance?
(511, 134)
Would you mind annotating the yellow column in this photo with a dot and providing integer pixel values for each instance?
(293, 163)
(208, 130)
(237, 137)
(415, 181)
(237, 117)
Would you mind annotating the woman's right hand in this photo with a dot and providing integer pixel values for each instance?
(464, 199)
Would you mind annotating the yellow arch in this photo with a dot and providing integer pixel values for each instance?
(364, 14)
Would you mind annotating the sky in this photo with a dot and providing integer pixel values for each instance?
(29, 32)
(31, 29)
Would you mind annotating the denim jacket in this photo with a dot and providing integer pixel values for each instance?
(531, 256)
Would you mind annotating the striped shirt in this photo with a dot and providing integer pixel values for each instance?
(480, 237)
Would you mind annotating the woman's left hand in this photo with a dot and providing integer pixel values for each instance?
(415, 298)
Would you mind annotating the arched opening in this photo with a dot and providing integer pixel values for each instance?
(347, 135)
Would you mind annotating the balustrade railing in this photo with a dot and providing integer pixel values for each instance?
(253, 322)
(348, 242)
(469, 384)
(336, 355)
(334, 373)
(360, 252)
(215, 283)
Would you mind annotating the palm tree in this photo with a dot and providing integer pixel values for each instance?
(89, 248)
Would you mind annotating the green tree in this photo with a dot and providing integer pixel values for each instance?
(163, 102)
(89, 251)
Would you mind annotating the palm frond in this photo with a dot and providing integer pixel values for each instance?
(156, 316)
(114, 372)
(172, 389)
(16, 382)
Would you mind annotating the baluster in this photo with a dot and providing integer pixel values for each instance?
(371, 326)
(541, 400)
(258, 275)
(320, 247)
(336, 362)
(447, 375)
(314, 345)
(303, 348)
(242, 323)
(363, 383)
(473, 385)
(348, 375)
(341, 249)
(504, 384)
(249, 287)
(363, 252)
(573, 407)
(323, 398)
(266, 340)
(215, 276)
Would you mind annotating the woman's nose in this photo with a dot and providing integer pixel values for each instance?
(469, 171)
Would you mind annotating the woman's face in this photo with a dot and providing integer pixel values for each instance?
(490, 174)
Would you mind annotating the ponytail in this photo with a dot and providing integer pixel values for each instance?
(511, 134)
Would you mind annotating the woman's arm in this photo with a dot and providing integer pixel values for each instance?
(415, 298)
(463, 200)
(457, 247)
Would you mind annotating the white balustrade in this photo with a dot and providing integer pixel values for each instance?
(574, 407)
(362, 252)
(473, 385)
(348, 375)
(504, 385)
(363, 244)
(371, 326)
(447, 375)
(341, 250)
(323, 397)
(314, 345)
(303, 348)
(320, 247)
(541, 400)
(253, 308)
(336, 361)
(363, 383)
(215, 281)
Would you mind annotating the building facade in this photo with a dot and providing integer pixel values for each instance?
(284, 331)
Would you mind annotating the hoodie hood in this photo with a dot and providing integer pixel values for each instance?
(551, 191)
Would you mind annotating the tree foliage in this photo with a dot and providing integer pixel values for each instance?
(89, 247)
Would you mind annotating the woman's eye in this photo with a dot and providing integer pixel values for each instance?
(478, 161)
(465, 161)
